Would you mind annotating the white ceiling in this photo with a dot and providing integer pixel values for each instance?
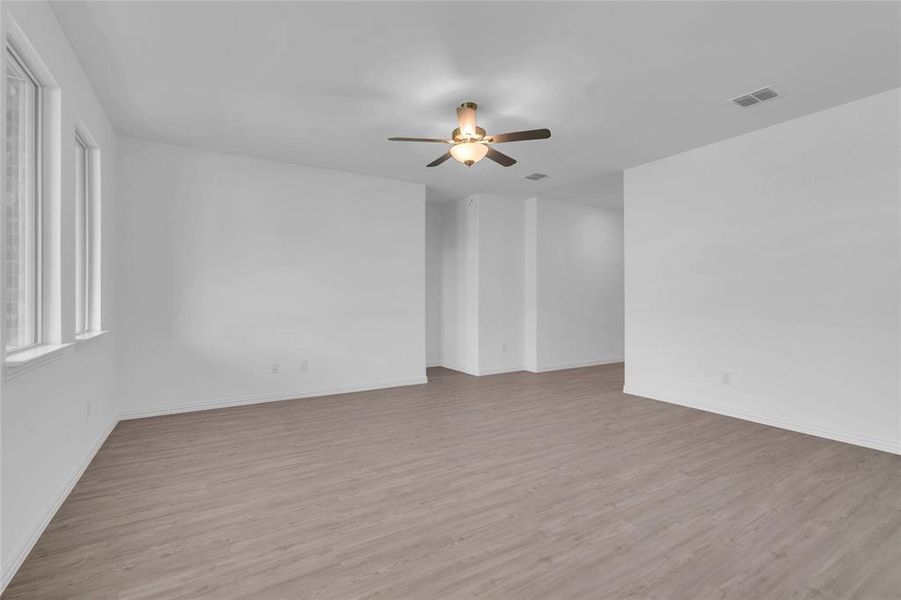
(618, 83)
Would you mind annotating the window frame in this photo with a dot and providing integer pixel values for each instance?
(85, 239)
(37, 338)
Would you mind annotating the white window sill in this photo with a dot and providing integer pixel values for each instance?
(90, 335)
(32, 358)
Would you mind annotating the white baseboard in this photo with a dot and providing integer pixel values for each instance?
(577, 364)
(541, 369)
(480, 372)
(21, 554)
(459, 368)
(885, 445)
(155, 411)
(499, 370)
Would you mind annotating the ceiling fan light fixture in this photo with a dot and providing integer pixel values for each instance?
(469, 153)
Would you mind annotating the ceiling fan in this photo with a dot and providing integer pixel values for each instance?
(470, 144)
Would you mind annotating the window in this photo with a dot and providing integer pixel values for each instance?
(85, 237)
(22, 203)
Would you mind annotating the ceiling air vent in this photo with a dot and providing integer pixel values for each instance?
(535, 176)
(765, 94)
(755, 97)
(746, 101)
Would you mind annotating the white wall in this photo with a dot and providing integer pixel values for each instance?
(460, 285)
(433, 284)
(481, 270)
(231, 264)
(578, 304)
(49, 433)
(530, 284)
(773, 259)
(501, 273)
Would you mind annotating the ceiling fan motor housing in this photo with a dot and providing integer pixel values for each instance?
(458, 136)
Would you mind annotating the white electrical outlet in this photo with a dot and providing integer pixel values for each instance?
(87, 410)
(503, 348)
(276, 368)
(727, 378)
(304, 365)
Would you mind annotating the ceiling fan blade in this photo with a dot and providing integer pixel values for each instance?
(500, 158)
(520, 136)
(439, 160)
(409, 139)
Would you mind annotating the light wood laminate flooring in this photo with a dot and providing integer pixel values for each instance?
(520, 486)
